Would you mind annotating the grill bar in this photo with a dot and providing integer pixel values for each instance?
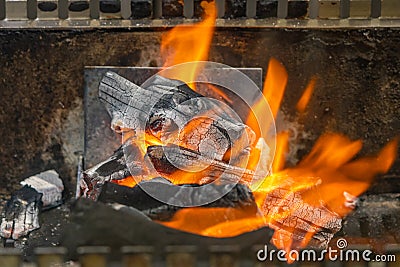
(188, 9)
(282, 9)
(157, 9)
(251, 8)
(344, 9)
(313, 9)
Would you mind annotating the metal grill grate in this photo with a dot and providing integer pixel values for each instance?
(166, 13)
(142, 256)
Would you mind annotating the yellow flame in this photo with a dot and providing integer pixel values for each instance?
(306, 96)
(189, 43)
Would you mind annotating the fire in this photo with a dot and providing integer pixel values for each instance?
(324, 183)
(128, 181)
(189, 43)
(274, 85)
(326, 180)
(273, 90)
(282, 141)
(305, 98)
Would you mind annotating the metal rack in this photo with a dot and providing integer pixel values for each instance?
(185, 256)
(83, 14)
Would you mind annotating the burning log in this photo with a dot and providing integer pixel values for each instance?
(21, 215)
(98, 183)
(303, 222)
(169, 111)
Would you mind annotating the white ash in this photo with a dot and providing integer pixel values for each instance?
(49, 184)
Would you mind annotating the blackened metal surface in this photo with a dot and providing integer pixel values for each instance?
(41, 111)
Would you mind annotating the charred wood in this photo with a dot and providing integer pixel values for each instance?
(113, 168)
(164, 107)
(172, 161)
(21, 214)
(239, 196)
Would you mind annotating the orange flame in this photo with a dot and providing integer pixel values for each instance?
(189, 43)
(128, 181)
(273, 90)
(305, 98)
(282, 141)
(210, 221)
(275, 84)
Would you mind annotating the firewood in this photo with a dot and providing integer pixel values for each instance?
(295, 219)
(94, 178)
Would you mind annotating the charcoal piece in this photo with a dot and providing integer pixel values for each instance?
(21, 215)
(172, 9)
(113, 168)
(50, 185)
(235, 9)
(78, 6)
(267, 9)
(110, 6)
(96, 223)
(239, 196)
(47, 6)
(141, 9)
(297, 9)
